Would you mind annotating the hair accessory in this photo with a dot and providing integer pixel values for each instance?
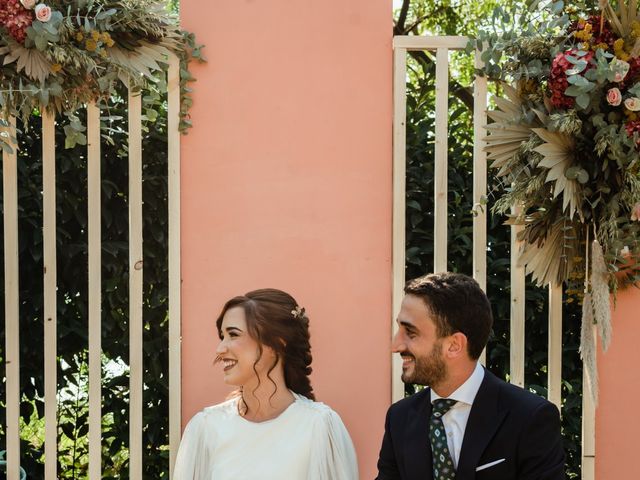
(297, 312)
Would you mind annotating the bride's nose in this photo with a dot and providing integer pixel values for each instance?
(222, 347)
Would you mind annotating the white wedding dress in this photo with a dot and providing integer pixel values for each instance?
(308, 441)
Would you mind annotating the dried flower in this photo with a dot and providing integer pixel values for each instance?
(55, 68)
(90, 45)
(95, 35)
(614, 97)
(29, 4)
(632, 104)
(635, 213)
(43, 12)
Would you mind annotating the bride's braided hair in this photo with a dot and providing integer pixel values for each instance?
(274, 319)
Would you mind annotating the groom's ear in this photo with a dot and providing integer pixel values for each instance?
(456, 345)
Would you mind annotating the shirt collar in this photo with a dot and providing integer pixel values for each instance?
(465, 393)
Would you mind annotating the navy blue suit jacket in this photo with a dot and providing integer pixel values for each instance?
(505, 422)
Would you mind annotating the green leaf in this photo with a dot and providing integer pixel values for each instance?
(583, 101)
(573, 91)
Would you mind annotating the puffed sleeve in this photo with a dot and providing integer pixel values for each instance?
(333, 456)
(193, 459)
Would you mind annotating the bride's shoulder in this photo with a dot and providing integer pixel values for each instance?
(215, 412)
(317, 409)
(228, 407)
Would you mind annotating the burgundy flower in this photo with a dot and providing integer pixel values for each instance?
(15, 18)
(632, 127)
(558, 78)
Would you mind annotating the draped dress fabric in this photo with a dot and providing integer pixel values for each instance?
(308, 441)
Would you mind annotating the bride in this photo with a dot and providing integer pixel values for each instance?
(272, 427)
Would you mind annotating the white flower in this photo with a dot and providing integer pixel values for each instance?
(29, 4)
(43, 12)
(625, 252)
(632, 104)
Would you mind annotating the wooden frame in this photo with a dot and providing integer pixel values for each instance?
(442, 46)
(402, 45)
(11, 301)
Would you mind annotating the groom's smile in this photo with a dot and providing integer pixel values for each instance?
(418, 344)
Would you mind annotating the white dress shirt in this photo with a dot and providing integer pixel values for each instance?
(455, 420)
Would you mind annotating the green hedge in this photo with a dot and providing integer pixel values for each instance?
(72, 297)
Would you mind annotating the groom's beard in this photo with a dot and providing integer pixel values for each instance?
(429, 370)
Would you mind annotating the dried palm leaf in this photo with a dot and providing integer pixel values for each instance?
(143, 60)
(508, 133)
(559, 152)
(546, 259)
(32, 61)
(622, 20)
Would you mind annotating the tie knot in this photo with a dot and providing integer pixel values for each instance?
(442, 406)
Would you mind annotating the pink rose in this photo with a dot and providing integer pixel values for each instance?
(632, 104)
(614, 97)
(635, 213)
(43, 12)
(28, 4)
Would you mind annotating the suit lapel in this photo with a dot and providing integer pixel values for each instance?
(484, 419)
(417, 451)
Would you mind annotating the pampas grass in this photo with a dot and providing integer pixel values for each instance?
(600, 294)
(588, 346)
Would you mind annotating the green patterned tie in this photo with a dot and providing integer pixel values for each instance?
(442, 464)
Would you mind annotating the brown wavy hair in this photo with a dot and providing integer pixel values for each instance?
(271, 321)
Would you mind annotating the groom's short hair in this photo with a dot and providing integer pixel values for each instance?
(458, 304)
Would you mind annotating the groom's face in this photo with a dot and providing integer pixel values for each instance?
(418, 344)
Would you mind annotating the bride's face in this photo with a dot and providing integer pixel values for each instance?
(239, 352)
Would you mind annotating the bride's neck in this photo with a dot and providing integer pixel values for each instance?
(266, 400)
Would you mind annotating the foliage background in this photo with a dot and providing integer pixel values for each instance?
(72, 308)
(463, 17)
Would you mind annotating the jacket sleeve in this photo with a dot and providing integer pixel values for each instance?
(387, 464)
(540, 451)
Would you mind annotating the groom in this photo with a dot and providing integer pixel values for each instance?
(469, 424)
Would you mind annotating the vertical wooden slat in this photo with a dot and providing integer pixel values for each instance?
(173, 123)
(479, 181)
(95, 295)
(440, 170)
(50, 303)
(555, 345)
(516, 344)
(135, 286)
(588, 431)
(399, 193)
(11, 303)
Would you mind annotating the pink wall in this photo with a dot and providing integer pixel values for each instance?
(286, 183)
(617, 421)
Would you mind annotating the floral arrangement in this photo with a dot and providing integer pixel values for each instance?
(565, 141)
(60, 55)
